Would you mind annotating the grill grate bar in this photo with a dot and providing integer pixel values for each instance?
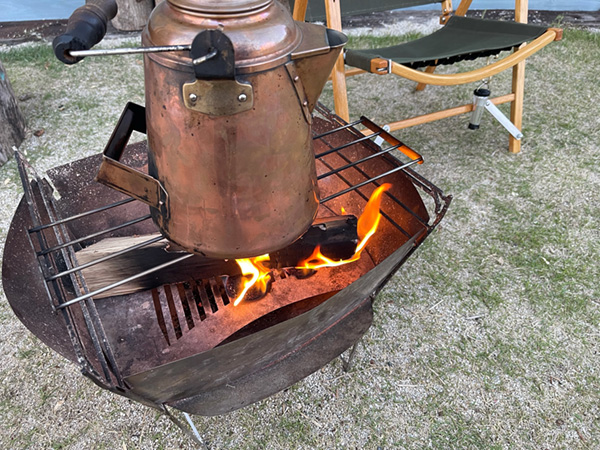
(346, 145)
(364, 183)
(210, 293)
(172, 311)
(81, 215)
(93, 235)
(360, 161)
(195, 289)
(160, 317)
(335, 130)
(125, 281)
(223, 291)
(183, 298)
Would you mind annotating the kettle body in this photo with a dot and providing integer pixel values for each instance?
(229, 135)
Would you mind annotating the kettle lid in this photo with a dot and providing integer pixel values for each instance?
(219, 6)
(263, 32)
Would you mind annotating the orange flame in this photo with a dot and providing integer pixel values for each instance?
(259, 274)
(368, 223)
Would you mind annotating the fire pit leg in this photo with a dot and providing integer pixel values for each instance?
(193, 434)
(194, 429)
(348, 363)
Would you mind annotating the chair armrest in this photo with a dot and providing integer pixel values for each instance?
(475, 75)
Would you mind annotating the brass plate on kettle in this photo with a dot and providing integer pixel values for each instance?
(218, 97)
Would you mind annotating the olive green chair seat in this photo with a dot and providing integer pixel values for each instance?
(460, 39)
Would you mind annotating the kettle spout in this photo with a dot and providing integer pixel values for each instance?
(315, 57)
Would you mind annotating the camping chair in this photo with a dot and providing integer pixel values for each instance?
(460, 38)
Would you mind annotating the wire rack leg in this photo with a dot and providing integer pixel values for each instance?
(347, 364)
(192, 434)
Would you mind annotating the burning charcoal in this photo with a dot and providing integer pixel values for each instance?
(300, 274)
(235, 285)
(337, 236)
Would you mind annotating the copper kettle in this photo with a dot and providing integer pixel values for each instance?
(229, 125)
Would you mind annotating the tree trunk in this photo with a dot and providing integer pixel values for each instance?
(12, 123)
(133, 14)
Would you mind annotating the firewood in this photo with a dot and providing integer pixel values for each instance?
(140, 260)
(336, 236)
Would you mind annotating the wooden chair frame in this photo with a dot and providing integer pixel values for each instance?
(515, 60)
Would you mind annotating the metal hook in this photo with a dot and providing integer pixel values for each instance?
(213, 52)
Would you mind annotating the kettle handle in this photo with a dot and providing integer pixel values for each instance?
(123, 178)
(85, 28)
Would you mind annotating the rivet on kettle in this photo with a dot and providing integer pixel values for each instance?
(193, 98)
(242, 97)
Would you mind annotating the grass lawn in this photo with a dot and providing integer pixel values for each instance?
(487, 337)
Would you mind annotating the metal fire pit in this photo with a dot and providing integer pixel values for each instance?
(182, 343)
